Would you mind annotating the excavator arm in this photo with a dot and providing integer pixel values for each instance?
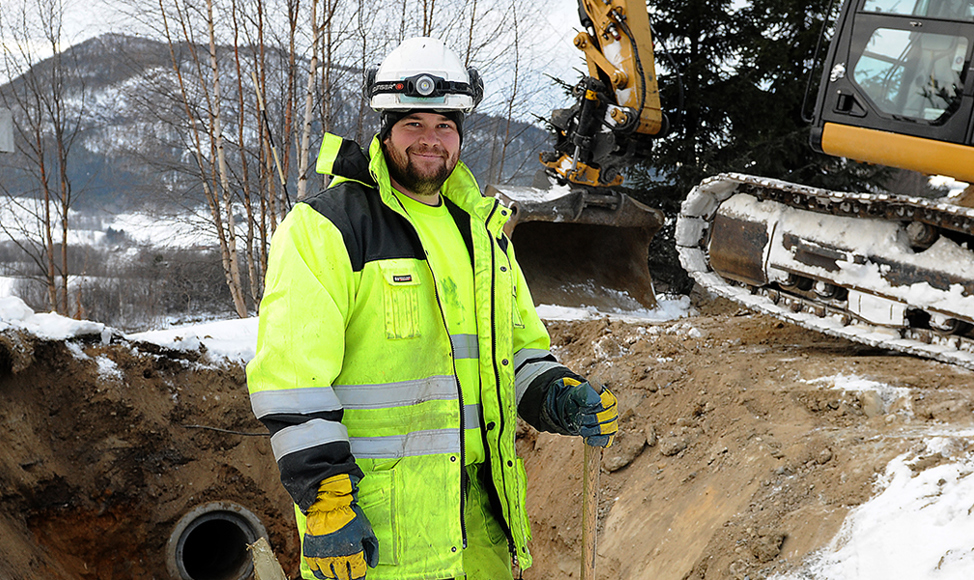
(581, 240)
(617, 106)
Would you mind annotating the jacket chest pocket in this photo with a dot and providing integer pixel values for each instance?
(401, 299)
(508, 279)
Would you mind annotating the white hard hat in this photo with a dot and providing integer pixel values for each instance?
(423, 73)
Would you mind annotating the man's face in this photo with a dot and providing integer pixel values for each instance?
(422, 149)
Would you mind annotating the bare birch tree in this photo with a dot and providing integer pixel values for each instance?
(295, 68)
(46, 120)
(309, 98)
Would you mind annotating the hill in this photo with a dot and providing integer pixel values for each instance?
(131, 145)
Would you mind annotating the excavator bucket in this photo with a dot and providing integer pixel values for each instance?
(578, 248)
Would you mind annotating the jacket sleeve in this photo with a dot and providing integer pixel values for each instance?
(300, 345)
(535, 368)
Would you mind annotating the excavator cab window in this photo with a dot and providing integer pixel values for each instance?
(948, 9)
(913, 74)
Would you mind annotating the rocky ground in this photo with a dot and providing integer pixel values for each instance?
(737, 456)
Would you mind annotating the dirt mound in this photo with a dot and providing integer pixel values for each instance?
(738, 455)
(106, 447)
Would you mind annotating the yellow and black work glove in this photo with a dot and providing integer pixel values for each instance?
(338, 540)
(579, 409)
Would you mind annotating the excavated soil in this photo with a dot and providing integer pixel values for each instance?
(734, 461)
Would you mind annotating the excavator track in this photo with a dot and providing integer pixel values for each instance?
(888, 271)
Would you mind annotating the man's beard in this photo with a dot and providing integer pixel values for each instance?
(404, 172)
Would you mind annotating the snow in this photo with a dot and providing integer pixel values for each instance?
(185, 231)
(857, 384)
(7, 285)
(918, 527)
(190, 229)
(14, 313)
(108, 369)
(234, 340)
(523, 194)
(954, 187)
(667, 308)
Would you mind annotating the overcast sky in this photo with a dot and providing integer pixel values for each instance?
(86, 19)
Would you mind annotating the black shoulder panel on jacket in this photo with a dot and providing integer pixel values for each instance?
(353, 163)
(371, 230)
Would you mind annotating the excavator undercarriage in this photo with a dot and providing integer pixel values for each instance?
(889, 271)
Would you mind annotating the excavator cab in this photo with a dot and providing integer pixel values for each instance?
(898, 88)
(580, 238)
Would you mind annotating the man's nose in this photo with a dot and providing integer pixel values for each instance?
(429, 135)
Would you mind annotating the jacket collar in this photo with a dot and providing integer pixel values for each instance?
(347, 161)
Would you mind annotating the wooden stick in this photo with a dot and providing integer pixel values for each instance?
(590, 509)
(266, 566)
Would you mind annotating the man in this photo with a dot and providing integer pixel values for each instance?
(397, 344)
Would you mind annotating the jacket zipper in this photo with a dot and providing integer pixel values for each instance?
(511, 547)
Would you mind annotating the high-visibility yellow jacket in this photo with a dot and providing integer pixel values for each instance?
(354, 371)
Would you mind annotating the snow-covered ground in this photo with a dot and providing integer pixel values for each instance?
(15, 314)
(918, 527)
(7, 286)
(668, 308)
(187, 230)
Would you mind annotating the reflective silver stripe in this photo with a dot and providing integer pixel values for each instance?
(416, 443)
(529, 353)
(301, 400)
(529, 371)
(401, 394)
(307, 435)
(471, 416)
(465, 346)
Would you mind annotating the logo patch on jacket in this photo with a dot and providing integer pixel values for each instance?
(403, 278)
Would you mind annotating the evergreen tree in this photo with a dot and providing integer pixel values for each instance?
(771, 133)
(733, 79)
(697, 42)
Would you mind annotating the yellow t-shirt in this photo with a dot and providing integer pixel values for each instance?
(447, 257)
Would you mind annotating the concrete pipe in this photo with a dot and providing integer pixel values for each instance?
(210, 543)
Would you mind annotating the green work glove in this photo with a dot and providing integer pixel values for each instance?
(578, 409)
(338, 540)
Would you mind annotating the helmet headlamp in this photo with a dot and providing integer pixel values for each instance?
(424, 86)
(423, 73)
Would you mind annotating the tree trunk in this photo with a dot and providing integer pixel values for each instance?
(303, 150)
(230, 249)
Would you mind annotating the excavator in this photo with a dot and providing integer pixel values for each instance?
(891, 271)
